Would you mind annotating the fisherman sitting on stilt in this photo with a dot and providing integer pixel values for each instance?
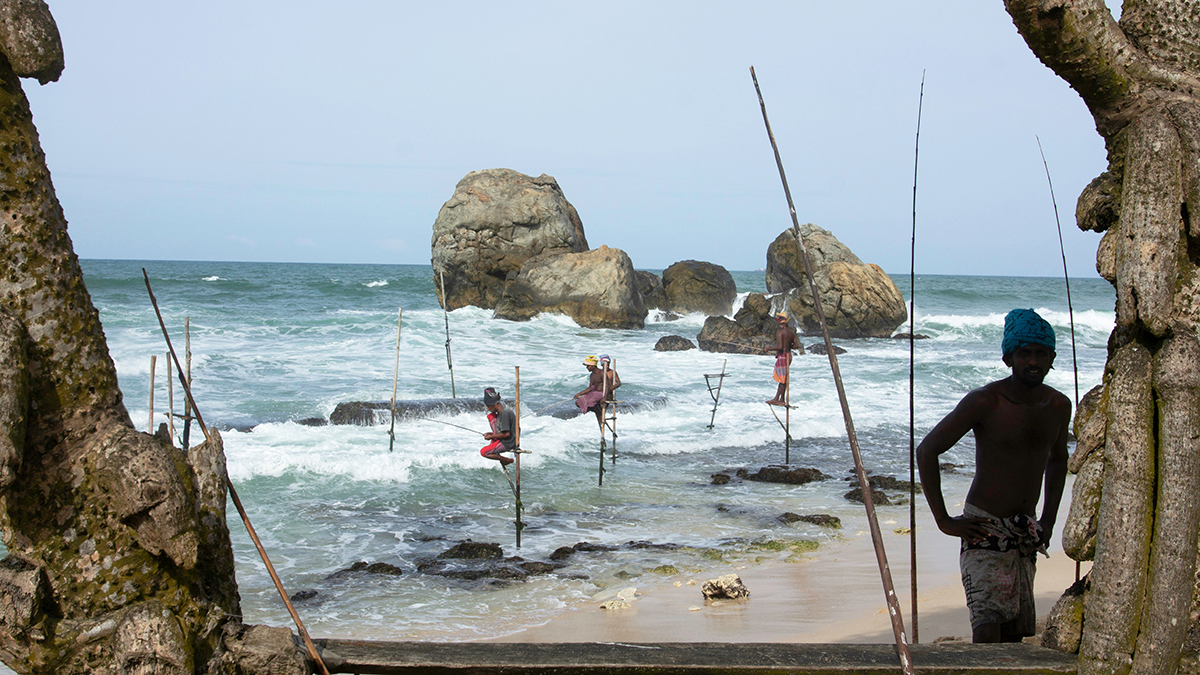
(598, 390)
(503, 421)
(785, 342)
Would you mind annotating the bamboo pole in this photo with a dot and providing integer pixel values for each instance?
(876, 536)
(170, 403)
(395, 380)
(717, 399)
(187, 400)
(517, 447)
(787, 414)
(912, 438)
(237, 502)
(446, 316)
(150, 422)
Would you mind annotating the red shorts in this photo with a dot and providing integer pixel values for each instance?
(494, 446)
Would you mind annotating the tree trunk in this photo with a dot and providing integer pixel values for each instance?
(1140, 78)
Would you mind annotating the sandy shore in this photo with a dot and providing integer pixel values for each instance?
(834, 596)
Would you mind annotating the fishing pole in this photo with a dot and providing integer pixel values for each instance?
(446, 316)
(395, 380)
(1066, 277)
(262, 552)
(912, 442)
(876, 536)
(1067, 281)
(552, 405)
(450, 424)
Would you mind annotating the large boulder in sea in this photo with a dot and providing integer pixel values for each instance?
(650, 285)
(751, 331)
(859, 299)
(495, 221)
(118, 559)
(598, 289)
(695, 286)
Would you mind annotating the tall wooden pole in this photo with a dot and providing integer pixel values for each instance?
(170, 403)
(395, 380)
(187, 378)
(787, 415)
(262, 552)
(912, 439)
(517, 446)
(150, 422)
(446, 317)
(876, 536)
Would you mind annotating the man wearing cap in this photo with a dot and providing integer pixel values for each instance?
(785, 342)
(1020, 427)
(503, 434)
(590, 398)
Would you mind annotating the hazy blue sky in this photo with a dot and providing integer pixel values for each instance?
(334, 131)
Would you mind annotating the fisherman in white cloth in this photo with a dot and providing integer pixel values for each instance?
(1020, 427)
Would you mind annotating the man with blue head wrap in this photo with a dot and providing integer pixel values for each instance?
(1020, 426)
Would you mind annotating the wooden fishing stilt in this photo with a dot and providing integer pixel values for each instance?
(715, 397)
(517, 446)
(1067, 281)
(608, 413)
(187, 401)
(395, 380)
(876, 536)
(170, 403)
(912, 441)
(150, 423)
(446, 317)
(237, 502)
(787, 416)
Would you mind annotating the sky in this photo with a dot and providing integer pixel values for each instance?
(333, 132)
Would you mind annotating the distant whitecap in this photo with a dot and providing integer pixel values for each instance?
(375, 284)
(212, 278)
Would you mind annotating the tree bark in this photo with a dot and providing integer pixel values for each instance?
(1140, 78)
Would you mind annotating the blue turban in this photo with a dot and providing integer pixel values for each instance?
(1023, 327)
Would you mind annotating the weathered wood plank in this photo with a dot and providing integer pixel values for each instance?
(591, 658)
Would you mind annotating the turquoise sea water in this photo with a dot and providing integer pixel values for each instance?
(274, 343)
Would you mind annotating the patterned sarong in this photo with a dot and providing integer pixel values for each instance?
(589, 400)
(781, 367)
(997, 573)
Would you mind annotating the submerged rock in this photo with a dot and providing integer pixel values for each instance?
(877, 496)
(819, 348)
(783, 474)
(369, 413)
(673, 343)
(495, 221)
(472, 551)
(821, 519)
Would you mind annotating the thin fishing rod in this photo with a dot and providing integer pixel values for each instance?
(395, 380)
(876, 536)
(262, 552)
(446, 316)
(553, 405)
(449, 424)
(912, 441)
(1066, 277)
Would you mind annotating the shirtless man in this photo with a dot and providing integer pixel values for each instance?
(785, 342)
(596, 392)
(1020, 430)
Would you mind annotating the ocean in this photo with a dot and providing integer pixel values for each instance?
(276, 343)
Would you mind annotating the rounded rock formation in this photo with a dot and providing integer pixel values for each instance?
(751, 331)
(694, 286)
(598, 289)
(495, 221)
(673, 343)
(859, 299)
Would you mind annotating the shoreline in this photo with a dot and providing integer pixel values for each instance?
(834, 595)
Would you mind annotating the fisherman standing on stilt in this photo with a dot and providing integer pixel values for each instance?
(785, 342)
(503, 421)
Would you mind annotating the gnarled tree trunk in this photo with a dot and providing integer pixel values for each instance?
(1140, 77)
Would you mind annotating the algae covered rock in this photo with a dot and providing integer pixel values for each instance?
(729, 586)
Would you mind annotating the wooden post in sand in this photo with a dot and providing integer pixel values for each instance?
(187, 380)
(885, 571)
(170, 401)
(150, 423)
(517, 446)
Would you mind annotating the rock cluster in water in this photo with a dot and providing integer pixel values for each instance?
(858, 299)
(751, 331)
